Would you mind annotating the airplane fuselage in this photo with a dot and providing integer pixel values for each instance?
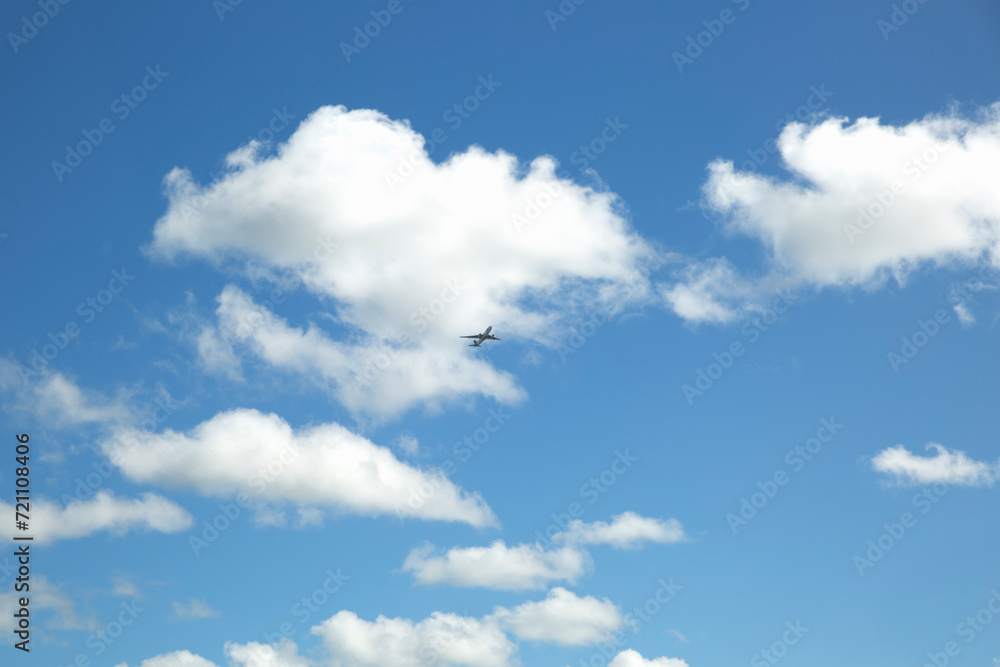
(477, 339)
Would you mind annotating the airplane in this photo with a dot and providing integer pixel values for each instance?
(481, 337)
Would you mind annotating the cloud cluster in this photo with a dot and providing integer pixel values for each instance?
(260, 455)
(529, 566)
(404, 270)
(376, 377)
(632, 658)
(563, 618)
(437, 641)
(50, 602)
(948, 467)
(440, 640)
(252, 654)
(57, 400)
(180, 659)
(626, 531)
(864, 201)
(105, 512)
(497, 566)
(193, 610)
(400, 268)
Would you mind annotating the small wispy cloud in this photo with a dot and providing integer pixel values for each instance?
(123, 586)
(676, 634)
(947, 466)
(194, 610)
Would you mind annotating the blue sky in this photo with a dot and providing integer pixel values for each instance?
(742, 259)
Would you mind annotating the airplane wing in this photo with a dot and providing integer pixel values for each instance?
(473, 336)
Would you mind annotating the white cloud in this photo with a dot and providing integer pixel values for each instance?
(217, 354)
(125, 587)
(194, 609)
(632, 658)
(679, 636)
(57, 400)
(836, 221)
(175, 659)
(705, 290)
(62, 400)
(375, 377)
(626, 531)
(65, 616)
(388, 259)
(964, 315)
(408, 444)
(563, 618)
(50, 602)
(245, 451)
(309, 516)
(252, 654)
(949, 467)
(529, 566)
(441, 640)
(498, 566)
(825, 225)
(103, 513)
